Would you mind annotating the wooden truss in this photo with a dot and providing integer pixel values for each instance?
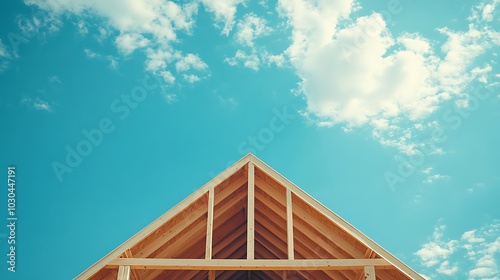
(249, 222)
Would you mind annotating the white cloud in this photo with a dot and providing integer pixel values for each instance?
(152, 25)
(191, 78)
(444, 256)
(190, 61)
(40, 24)
(90, 54)
(470, 237)
(436, 249)
(481, 74)
(127, 43)
(251, 61)
(278, 60)
(82, 28)
(224, 11)
(103, 33)
(167, 77)
(485, 11)
(436, 177)
(170, 97)
(355, 73)
(427, 170)
(250, 28)
(160, 59)
(37, 104)
(415, 43)
(446, 269)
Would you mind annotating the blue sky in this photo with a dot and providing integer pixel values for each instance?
(387, 113)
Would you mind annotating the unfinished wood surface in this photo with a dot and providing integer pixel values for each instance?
(249, 222)
(369, 272)
(135, 274)
(124, 272)
(251, 213)
(289, 222)
(210, 223)
(201, 264)
(336, 219)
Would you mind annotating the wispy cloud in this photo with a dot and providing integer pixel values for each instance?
(224, 12)
(251, 61)
(476, 187)
(191, 78)
(230, 101)
(127, 43)
(37, 104)
(54, 80)
(41, 24)
(169, 97)
(436, 177)
(445, 256)
(190, 61)
(251, 27)
(113, 61)
(143, 25)
(437, 250)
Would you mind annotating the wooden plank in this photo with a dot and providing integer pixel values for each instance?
(210, 224)
(123, 272)
(289, 223)
(135, 274)
(251, 213)
(162, 219)
(239, 264)
(369, 272)
(319, 226)
(369, 254)
(211, 275)
(336, 219)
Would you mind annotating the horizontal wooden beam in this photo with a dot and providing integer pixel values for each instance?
(215, 264)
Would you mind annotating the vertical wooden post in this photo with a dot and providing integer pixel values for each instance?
(369, 273)
(251, 213)
(210, 224)
(124, 272)
(289, 223)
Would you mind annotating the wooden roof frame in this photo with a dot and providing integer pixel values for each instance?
(362, 265)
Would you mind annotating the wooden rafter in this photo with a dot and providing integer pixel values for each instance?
(249, 222)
